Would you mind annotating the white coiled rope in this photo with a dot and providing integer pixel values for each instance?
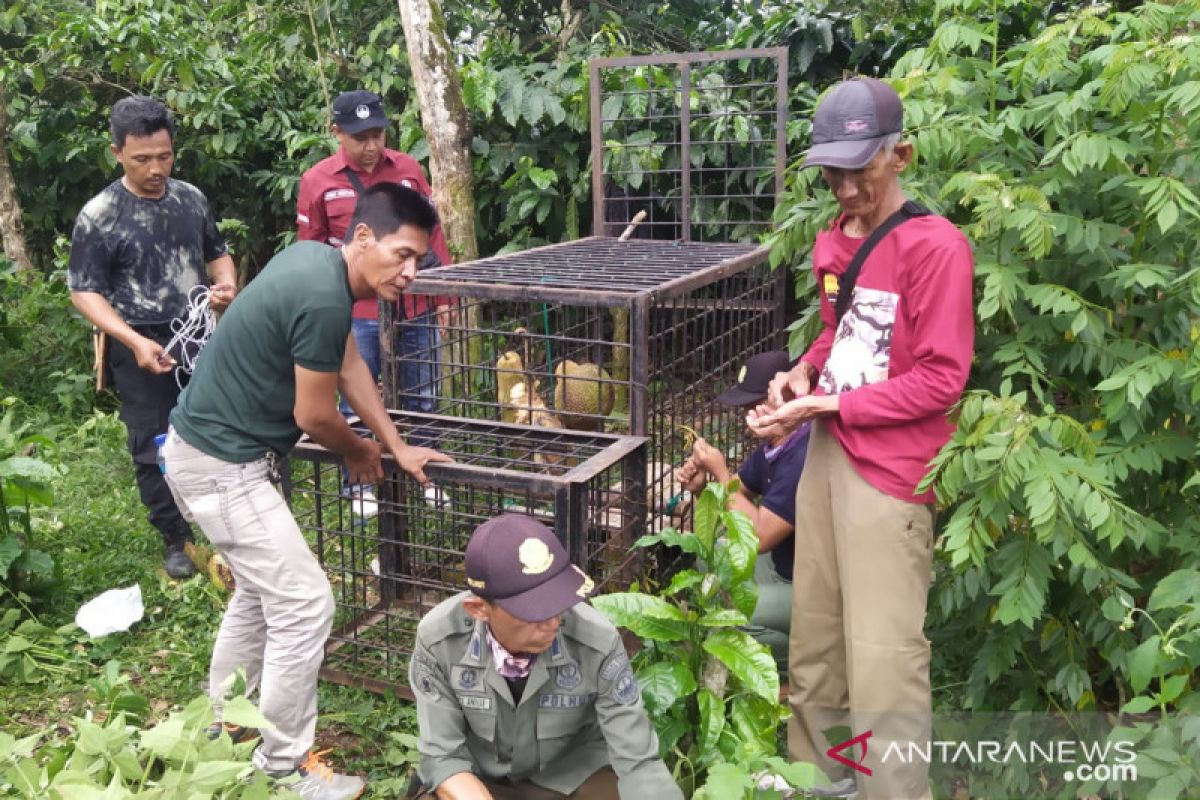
(191, 331)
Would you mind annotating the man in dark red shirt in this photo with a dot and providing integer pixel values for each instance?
(892, 359)
(328, 194)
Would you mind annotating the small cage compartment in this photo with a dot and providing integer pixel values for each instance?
(389, 570)
(630, 337)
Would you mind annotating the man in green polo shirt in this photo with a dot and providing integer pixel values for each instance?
(272, 371)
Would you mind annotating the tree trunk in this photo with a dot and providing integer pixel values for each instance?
(444, 118)
(12, 228)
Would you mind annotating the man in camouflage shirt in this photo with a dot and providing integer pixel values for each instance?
(524, 691)
(138, 248)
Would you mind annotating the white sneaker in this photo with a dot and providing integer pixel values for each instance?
(315, 780)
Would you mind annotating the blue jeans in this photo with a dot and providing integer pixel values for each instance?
(417, 354)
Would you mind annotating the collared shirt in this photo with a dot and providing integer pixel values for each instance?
(772, 473)
(326, 203)
(508, 665)
(580, 708)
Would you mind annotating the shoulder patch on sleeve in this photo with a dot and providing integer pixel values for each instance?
(625, 688)
(614, 665)
(424, 669)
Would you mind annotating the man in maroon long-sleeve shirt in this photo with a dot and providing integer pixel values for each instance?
(880, 382)
(328, 194)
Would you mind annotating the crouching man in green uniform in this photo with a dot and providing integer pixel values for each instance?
(524, 691)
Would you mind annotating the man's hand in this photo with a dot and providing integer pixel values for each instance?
(710, 460)
(789, 385)
(446, 317)
(462, 786)
(771, 423)
(364, 465)
(220, 296)
(152, 357)
(691, 477)
(413, 460)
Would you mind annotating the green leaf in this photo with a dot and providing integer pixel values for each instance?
(722, 618)
(742, 542)
(649, 617)
(10, 549)
(799, 774)
(1181, 587)
(712, 722)
(664, 683)
(1172, 688)
(748, 661)
(727, 782)
(684, 579)
(209, 776)
(240, 711)
(1138, 705)
(1142, 663)
(704, 520)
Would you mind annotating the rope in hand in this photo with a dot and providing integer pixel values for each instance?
(191, 331)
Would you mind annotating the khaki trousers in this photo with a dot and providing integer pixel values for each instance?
(858, 656)
(602, 785)
(279, 616)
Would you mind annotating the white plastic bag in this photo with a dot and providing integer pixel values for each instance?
(112, 611)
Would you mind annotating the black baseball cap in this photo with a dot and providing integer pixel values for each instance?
(754, 378)
(852, 121)
(357, 111)
(518, 563)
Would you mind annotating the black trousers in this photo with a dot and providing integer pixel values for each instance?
(146, 402)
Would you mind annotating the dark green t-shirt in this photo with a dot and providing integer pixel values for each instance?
(241, 399)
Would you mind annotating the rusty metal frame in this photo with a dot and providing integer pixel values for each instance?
(684, 62)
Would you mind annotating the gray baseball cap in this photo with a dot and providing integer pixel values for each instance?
(851, 123)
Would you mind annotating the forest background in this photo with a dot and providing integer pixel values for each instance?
(1060, 136)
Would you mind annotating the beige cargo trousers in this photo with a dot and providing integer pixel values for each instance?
(857, 653)
(281, 611)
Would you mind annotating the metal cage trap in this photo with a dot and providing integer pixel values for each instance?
(387, 572)
(632, 337)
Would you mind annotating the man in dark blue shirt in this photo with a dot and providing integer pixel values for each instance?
(770, 474)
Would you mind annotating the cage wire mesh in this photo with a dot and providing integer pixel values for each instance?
(697, 141)
(388, 571)
(632, 337)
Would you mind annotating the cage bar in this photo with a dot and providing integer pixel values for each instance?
(387, 572)
(707, 169)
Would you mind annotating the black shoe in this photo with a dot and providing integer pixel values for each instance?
(178, 565)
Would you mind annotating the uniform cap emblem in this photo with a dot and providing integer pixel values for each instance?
(535, 556)
(742, 374)
(855, 126)
(588, 584)
(362, 112)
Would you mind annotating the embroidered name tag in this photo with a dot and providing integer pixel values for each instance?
(475, 702)
(565, 700)
(338, 194)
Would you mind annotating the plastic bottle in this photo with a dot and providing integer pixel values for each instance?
(159, 441)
